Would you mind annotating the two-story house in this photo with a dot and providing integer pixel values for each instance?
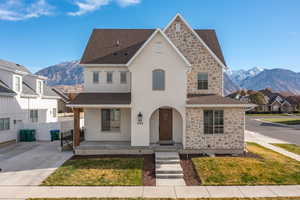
(24, 99)
(146, 88)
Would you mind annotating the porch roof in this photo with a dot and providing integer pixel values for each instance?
(214, 100)
(98, 99)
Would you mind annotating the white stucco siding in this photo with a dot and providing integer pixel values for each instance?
(103, 86)
(92, 123)
(158, 54)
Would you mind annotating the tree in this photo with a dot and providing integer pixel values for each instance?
(258, 98)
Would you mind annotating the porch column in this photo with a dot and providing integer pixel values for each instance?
(76, 137)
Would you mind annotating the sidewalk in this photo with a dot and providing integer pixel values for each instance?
(265, 142)
(24, 192)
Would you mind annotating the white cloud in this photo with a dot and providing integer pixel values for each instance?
(125, 3)
(16, 10)
(85, 6)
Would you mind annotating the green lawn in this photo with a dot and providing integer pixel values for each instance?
(287, 121)
(98, 172)
(266, 198)
(290, 147)
(269, 168)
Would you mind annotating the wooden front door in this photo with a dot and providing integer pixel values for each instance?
(165, 125)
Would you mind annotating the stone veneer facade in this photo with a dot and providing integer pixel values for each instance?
(199, 57)
(231, 139)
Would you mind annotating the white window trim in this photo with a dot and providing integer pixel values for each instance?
(93, 77)
(126, 74)
(14, 84)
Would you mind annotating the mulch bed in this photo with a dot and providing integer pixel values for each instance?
(190, 175)
(148, 170)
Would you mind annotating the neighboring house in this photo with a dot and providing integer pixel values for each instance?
(24, 99)
(62, 102)
(276, 102)
(149, 87)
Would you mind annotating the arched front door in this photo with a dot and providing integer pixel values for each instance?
(165, 126)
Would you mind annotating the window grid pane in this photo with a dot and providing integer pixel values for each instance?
(123, 77)
(110, 120)
(109, 77)
(95, 77)
(213, 121)
(202, 81)
(158, 80)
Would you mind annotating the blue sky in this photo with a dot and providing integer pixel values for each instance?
(39, 33)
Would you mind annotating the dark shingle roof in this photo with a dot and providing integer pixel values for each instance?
(117, 46)
(4, 89)
(47, 91)
(102, 98)
(27, 89)
(207, 99)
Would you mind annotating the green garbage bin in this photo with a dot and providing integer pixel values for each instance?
(54, 135)
(27, 135)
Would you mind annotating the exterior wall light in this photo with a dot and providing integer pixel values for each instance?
(140, 118)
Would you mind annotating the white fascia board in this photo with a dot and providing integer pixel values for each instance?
(8, 94)
(28, 96)
(219, 105)
(38, 76)
(197, 36)
(98, 106)
(103, 65)
(148, 41)
(50, 97)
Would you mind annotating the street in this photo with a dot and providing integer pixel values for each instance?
(290, 135)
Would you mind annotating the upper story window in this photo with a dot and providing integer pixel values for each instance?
(39, 87)
(213, 121)
(109, 77)
(202, 81)
(158, 79)
(123, 77)
(95, 77)
(17, 83)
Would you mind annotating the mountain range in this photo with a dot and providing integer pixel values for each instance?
(257, 78)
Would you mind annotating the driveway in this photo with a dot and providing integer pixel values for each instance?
(29, 163)
(288, 134)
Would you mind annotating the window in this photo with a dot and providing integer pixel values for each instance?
(158, 80)
(178, 26)
(33, 115)
(110, 120)
(95, 77)
(39, 86)
(54, 112)
(123, 77)
(202, 81)
(17, 83)
(213, 121)
(109, 77)
(4, 124)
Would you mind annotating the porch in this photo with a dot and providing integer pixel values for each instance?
(124, 147)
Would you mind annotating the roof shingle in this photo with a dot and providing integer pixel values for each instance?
(101, 98)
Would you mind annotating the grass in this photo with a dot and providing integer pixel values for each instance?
(287, 121)
(98, 172)
(269, 168)
(265, 198)
(290, 147)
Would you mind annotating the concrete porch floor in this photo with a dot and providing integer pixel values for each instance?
(118, 147)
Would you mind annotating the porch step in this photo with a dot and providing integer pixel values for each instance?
(168, 169)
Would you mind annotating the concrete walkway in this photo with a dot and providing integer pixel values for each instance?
(266, 142)
(30, 163)
(149, 192)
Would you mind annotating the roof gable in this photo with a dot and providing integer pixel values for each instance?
(158, 31)
(210, 37)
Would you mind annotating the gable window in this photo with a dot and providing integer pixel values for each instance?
(109, 77)
(33, 116)
(158, 79)
(39, 87)
(213, 121)
(95, 77)
(4, 124)
(17, 83)
(110, 120)
(202, 81)
(123, 77)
